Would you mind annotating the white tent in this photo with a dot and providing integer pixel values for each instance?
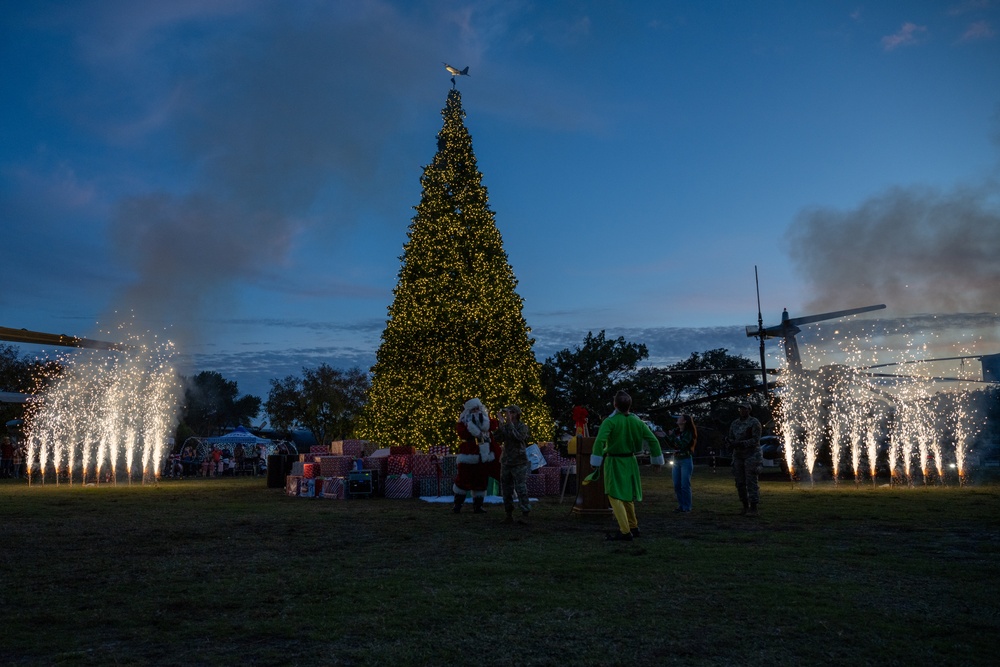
(238, 437)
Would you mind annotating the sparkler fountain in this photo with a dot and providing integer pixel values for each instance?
(855, 413)
(106, 417)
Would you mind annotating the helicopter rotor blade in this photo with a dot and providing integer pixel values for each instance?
(809, 319)
(921, 361)
(917, 378)
(60, 340)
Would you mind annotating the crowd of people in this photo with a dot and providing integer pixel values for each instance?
(218, 461)
(11, 459)
(496, 447)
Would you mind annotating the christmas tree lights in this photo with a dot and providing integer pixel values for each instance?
(455, 328)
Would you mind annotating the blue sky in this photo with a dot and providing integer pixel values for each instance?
(239, 175)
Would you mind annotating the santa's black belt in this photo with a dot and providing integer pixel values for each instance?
(620, 456)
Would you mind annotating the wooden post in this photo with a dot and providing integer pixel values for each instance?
(591, 499)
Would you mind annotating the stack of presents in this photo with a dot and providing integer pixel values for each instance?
(358, 468)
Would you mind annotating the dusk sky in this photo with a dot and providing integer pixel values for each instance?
(239, 175)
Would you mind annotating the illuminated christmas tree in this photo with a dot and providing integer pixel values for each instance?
(455, 329)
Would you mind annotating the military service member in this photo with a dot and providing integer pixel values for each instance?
(513, 435)
(744, 438)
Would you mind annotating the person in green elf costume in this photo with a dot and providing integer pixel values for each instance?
(618, 440)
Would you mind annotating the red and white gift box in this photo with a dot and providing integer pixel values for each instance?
(425, 465)
(438, 450)
(562, 461)
(400, 465)
(335, 466)
(355, 448)
(553, 478)
(536, 484)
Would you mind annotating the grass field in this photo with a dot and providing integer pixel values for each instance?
(196, 572)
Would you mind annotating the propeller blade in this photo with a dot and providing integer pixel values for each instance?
(923, 361)
(917, 378)
(809, 319)
(61, 340)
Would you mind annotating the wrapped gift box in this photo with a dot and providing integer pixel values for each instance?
(399, 487)
(292, 485)
(309, 470)
(536, 485)
(297, 468)
(424, 465)
(432, 486)
(379, 463)
(438, 450)
(400, 465)
(553, 479)
(335, 466)
(333, 488)
(449, 466)
(355, 448)
(562, 461)
(319, 449)
(307, 488)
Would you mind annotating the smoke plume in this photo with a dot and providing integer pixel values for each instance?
(290, 126)
(915, 249)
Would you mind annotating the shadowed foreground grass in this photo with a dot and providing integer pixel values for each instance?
(229, 572)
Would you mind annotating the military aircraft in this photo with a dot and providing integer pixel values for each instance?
(786, 330)
(789, 327)
(454, 71)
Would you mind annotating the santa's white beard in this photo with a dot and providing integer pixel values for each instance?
(478, 424)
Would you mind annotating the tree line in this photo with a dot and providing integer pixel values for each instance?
(327, 402)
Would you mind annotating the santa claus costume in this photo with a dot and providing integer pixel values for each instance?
(478, 456)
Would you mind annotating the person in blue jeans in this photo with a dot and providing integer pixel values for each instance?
(684, 439)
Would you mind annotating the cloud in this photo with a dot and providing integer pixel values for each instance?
(977, 31)
(909, 34)
(254, 370)
(969, 6)
(121, 30)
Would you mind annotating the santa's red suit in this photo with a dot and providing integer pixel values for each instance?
(478, 455)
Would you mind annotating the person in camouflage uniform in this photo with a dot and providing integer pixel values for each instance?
(514, 436)
(744, 438)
